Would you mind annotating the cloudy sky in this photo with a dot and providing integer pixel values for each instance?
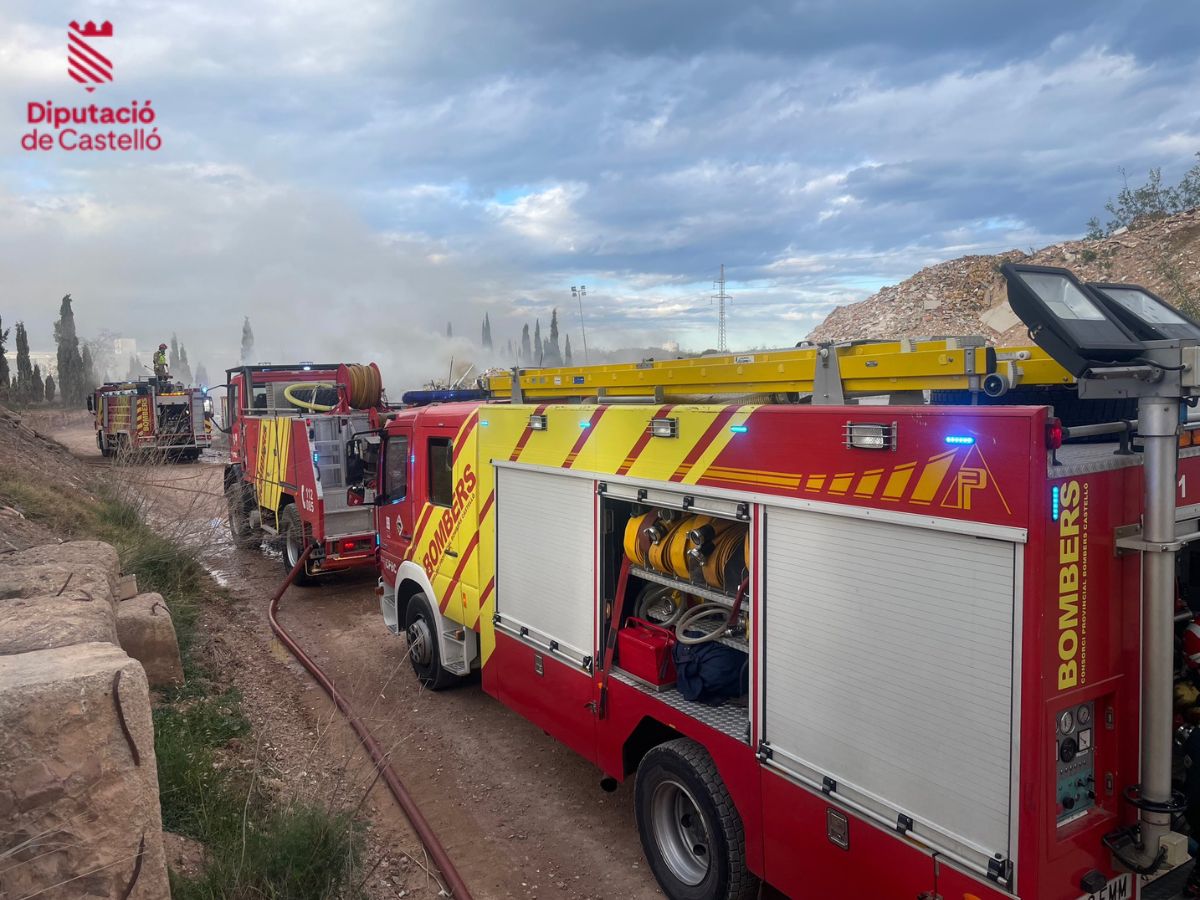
(353, 176)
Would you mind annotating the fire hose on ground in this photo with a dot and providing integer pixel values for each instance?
(441, 859)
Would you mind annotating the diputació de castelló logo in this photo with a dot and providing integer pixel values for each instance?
(89, 63)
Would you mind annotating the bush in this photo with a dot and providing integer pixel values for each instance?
(1151, 200)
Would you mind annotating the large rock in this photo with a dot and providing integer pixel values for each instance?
(146, 633)
(65, 579)
(78, 787)
(85, 553)
(45, 622)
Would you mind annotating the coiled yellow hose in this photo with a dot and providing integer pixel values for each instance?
(364, 384)
(313, 386)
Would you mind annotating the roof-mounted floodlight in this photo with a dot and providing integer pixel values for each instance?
(1066, 320)
(1144, 313)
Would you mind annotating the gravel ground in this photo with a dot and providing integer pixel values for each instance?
(520, 814)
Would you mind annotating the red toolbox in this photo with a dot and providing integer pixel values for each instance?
(644, 651)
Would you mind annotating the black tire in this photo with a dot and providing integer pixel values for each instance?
(421, 629)
(691, 832)
(291, 529)
(244, 537)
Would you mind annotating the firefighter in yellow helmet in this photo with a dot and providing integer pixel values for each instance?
(160, 363)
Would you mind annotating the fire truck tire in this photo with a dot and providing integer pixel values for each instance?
(244, 537)
(291, 528)
(420, 629)
(691, 832)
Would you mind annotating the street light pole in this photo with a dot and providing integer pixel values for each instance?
(579, 293)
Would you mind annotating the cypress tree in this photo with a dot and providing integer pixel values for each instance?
(22, 383)
(185, 370)
(87, 378)
(567, 352)
(247, 343)
(538, 349)
(37, 387)
(3, 359)
(525, 356)
(70, 363)
(49, 388)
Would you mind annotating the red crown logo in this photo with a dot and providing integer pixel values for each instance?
(85, 63)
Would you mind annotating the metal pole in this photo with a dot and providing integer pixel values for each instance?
(579, 295)
(1158, 425)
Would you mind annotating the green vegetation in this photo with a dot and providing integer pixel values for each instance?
(1152, 200)
(255, 845)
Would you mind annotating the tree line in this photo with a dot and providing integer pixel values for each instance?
(530, 350)
(76, 374)
(81, 365)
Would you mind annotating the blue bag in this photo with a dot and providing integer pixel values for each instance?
(710, 673)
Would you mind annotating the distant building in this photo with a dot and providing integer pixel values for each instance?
(46, 361)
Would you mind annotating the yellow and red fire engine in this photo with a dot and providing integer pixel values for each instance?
(847, 649)
(289, 430)
(151, 415)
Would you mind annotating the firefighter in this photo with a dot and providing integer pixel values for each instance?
(160, 363)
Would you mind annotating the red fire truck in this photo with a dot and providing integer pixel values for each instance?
(289, 428)
(151, 415)
(846, 649)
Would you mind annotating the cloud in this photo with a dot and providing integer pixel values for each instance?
(355, 177)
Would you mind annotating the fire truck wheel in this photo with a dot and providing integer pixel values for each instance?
(244, 537)
(691, 832)
(292, 530)
(420, 627)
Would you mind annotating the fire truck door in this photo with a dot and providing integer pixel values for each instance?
(449, 484)
(394, 517)
(546, 602)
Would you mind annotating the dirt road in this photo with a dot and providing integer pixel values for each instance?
(521, 815)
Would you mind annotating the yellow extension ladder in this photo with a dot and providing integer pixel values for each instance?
(828, 373)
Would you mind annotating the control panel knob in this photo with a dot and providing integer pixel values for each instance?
(1068, 802)
(1067, 750)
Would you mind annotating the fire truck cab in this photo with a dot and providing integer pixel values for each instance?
(290, 455)
(848, 650)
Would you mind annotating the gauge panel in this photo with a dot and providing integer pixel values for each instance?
(1074, 760)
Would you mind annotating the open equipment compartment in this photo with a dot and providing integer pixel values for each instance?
(671, 574)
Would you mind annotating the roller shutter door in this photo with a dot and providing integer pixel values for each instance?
(888, 667)
(545, 547)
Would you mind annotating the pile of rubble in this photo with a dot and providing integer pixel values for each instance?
(967, 296)
(80, 649)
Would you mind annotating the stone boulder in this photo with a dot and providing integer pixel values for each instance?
(44, 622)
(84, 553)
(60, 579)
(78, 787)
(146, 633)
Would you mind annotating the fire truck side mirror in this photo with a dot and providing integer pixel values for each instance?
(91, 404)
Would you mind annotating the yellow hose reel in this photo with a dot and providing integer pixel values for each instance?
(363, 384)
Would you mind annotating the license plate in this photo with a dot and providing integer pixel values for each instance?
(1120, 888)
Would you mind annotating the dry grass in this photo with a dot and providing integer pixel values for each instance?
(257, 844)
